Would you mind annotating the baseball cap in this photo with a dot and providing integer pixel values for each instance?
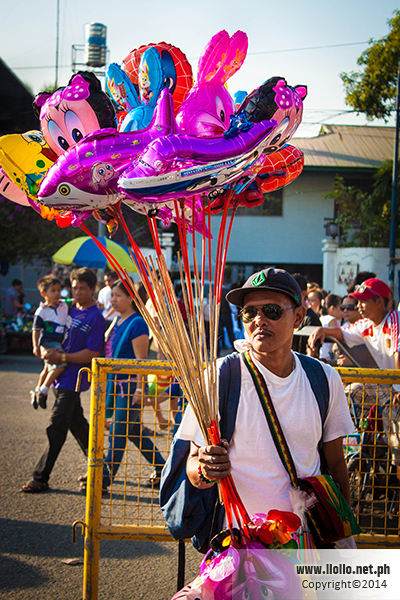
(275, 280)
(371, 288)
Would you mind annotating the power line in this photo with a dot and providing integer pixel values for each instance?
(309, 48)
(248, 54)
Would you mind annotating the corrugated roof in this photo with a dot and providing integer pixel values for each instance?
(348, 146)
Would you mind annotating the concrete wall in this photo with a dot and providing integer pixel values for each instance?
(293, 238)
(360, 259)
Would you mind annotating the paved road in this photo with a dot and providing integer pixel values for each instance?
(36, 534)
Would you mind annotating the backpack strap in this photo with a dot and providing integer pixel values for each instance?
(229, 393)
(318, 381)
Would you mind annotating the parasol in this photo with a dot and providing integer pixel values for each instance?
(84, 252)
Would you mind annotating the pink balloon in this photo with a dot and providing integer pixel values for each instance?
(10, 191)
(207, 108)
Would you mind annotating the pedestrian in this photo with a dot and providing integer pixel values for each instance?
(48, 331)
(271, 309)
(104, 297)
(225, 321)
(300, 343)
(84, 341)
(331, 317)
(379, 330)
(129, 339)
(12, 302)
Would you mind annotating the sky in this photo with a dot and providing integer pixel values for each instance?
(309, 42)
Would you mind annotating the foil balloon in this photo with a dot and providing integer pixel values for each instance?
(85, 177)
(177, 166)
(207, 109)
(151, 82)
(121, 88)
(279, 169)
(26, 158)
(178, 77)
(72, 112)
(9, 190)
(275, 99)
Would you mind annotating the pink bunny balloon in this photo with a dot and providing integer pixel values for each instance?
(207, 108)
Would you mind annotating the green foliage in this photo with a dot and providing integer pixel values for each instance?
(26, 236)
(373, 91)
(365, 218)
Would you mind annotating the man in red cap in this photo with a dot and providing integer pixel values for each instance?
(379, 330)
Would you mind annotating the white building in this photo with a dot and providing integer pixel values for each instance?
(291, 237)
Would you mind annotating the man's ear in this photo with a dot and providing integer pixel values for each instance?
(300, 313)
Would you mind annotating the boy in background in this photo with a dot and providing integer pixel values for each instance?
(49, 325)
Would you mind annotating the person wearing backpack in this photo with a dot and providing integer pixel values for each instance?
(309, 401)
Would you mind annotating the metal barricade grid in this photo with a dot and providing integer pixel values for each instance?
(374, 487)
(130, 509)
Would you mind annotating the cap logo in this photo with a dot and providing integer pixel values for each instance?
(258, 280)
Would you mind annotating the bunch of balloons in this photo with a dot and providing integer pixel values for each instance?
(177, 148)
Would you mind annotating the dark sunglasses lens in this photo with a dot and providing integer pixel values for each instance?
(248, 314)
(348, 307)
(272, 311)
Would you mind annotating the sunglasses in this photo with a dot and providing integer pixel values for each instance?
(273, 312)
(362, 288)
(348, 307)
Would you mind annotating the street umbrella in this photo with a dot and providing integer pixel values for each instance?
(83, 252)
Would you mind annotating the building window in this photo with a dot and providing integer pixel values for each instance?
(271, 207)
(273, 204)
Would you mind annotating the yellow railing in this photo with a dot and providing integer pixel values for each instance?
(130, 509)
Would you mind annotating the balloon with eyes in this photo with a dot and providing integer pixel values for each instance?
(207, 108)
(136, 85)
(72, 112)
(274, 99)
(140, 106)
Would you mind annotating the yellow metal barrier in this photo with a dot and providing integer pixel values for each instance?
(130, 509)
(374, 486)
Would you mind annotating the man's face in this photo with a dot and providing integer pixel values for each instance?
(265, 334)
(108, 280)
(82, 293)
(371, 309)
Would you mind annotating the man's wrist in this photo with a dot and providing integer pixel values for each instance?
(63, 357)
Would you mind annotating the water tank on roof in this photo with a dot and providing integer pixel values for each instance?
(95, 45)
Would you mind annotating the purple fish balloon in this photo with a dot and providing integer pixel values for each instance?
(86, 175)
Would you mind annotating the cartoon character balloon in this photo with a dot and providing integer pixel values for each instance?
(178, 77)
(72, 112)
(9, 190)
(275, 99)
(207, 109)
(26, 158)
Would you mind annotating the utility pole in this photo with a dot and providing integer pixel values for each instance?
(57, 41)
(393, 218)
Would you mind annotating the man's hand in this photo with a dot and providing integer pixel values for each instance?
(214, 460)
(396, 400)
(36, 351)
(52, 356)
(317, 338)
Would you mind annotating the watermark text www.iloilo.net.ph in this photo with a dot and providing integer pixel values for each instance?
(343, 569)
(372, 576)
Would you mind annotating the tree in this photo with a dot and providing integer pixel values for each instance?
(373, 91)
(365, 218)
(25, 236)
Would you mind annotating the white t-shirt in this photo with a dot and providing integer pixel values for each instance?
(326, 320)
(381, 340)
(259, 475)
